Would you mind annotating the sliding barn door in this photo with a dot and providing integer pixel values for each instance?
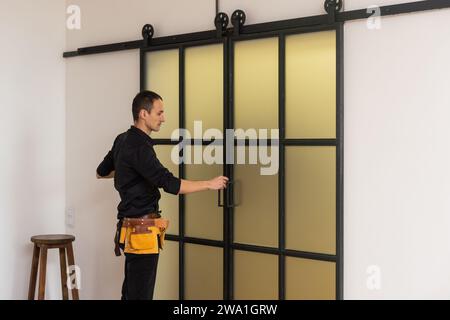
(268, 236)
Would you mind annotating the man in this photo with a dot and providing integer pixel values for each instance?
(138, 174)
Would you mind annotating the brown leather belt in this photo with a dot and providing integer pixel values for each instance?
(150, 216)
(146, 221)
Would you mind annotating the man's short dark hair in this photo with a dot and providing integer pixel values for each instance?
(144, 100)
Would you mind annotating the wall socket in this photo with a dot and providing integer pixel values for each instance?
(70, 217)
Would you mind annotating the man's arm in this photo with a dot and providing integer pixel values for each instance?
(148, 165)
(106, 168)
(189, 186)
(109, 176)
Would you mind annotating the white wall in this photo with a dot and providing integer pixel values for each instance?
(397, 204)
(32, 156)
(395, 137)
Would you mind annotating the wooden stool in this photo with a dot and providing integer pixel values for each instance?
(42, 243)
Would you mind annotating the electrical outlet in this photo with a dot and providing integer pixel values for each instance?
(70, 217)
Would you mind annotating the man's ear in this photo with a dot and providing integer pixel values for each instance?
(143, 113)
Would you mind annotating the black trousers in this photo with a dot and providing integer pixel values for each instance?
(140, 276)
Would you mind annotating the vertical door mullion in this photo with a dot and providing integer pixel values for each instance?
(230, 118)
(226, 225)
(281, 197)
(181, 199)
(339, 160)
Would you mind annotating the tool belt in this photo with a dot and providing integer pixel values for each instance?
(143, 235)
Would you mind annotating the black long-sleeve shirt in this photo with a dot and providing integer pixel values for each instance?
(138, 173)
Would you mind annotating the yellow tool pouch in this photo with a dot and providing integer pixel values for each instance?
(141, 240)
(144, 239)
(123, 234)
(143, 236)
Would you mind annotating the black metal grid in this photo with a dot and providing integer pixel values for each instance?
(227, 244)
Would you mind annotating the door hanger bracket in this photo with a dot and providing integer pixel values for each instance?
(147, 34)
(238, 20)
(221, 22)
(332, 7)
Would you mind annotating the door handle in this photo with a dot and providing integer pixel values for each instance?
(229, 192)
(218, 199)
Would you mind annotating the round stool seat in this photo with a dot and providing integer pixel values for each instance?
(52, 238)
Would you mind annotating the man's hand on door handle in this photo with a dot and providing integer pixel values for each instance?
(218, 183)
(189, 186)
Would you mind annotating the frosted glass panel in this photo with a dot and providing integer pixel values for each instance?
(204, 86)
(166, 286)
(204, 272)
(204, 218)
(310, 279)
(256, 83)
(168, 203)
(311, 199)
(256, 276)
(311, 85)
(162, 77)
(256, 196)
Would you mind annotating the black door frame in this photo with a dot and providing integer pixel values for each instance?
(227, 244)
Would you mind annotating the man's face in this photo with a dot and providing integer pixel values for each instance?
(155, 118)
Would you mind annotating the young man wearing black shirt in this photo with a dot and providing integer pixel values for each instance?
(138, 175)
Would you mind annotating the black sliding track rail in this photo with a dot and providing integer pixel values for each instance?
(409, 7)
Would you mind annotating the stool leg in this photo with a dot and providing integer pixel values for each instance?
(33, 275)
(42, 272)
(72, 263)
(63, 267)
